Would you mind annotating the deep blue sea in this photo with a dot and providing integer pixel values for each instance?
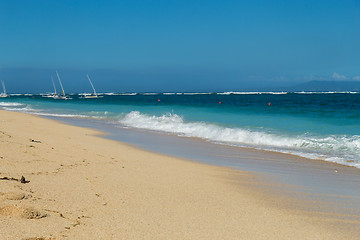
(323, 126)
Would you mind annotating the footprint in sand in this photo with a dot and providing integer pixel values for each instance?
(14, 196)
(37, 238)
(24, 212)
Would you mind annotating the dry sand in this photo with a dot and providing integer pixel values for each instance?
(86, 187)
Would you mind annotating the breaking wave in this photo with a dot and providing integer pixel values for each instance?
(10, 104)
(342, 149)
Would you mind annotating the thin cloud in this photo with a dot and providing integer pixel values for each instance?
(338, 76)
(356, 78)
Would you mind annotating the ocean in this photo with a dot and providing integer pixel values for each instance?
(320, 126)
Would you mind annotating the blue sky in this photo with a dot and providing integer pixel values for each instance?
(133, 45)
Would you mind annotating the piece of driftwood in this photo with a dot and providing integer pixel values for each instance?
(22, 179)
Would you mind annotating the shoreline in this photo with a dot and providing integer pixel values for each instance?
(84, 186)
(307, 179)
(108, 135)
(340, 159)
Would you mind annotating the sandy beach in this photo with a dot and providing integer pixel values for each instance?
(78, 185)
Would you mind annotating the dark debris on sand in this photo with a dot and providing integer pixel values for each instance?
(22, 179)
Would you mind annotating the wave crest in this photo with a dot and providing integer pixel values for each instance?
(345, 149)
(10, 104)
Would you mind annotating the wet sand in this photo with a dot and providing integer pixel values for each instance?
(85, 187)
(336, 186)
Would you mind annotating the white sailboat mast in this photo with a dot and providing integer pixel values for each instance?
(53, 84)
(91, 84)
(3, 85)
(60, 83)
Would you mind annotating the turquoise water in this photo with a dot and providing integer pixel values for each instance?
(324, 126)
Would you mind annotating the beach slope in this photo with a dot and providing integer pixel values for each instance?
(77, 185)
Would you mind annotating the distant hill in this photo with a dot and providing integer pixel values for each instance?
(325, 86)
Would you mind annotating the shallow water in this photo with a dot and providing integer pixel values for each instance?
(322, 126)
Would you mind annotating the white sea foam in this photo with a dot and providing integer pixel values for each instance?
(247, 93)
(61, 115)
(225, 93)
(10, 104)
(330, 92)
(18, 107)
(173, 123)
(251, 93)
(170, 93)
(330, 148)
(198, 93)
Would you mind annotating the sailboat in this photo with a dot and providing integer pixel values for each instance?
(93, 95)
(57, 96)
(3, 94)
(54, 94)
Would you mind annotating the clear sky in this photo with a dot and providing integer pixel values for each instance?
(158, 45)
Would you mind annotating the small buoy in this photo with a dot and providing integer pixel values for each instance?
(269, 104)
(158, 100)
(219, 102)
